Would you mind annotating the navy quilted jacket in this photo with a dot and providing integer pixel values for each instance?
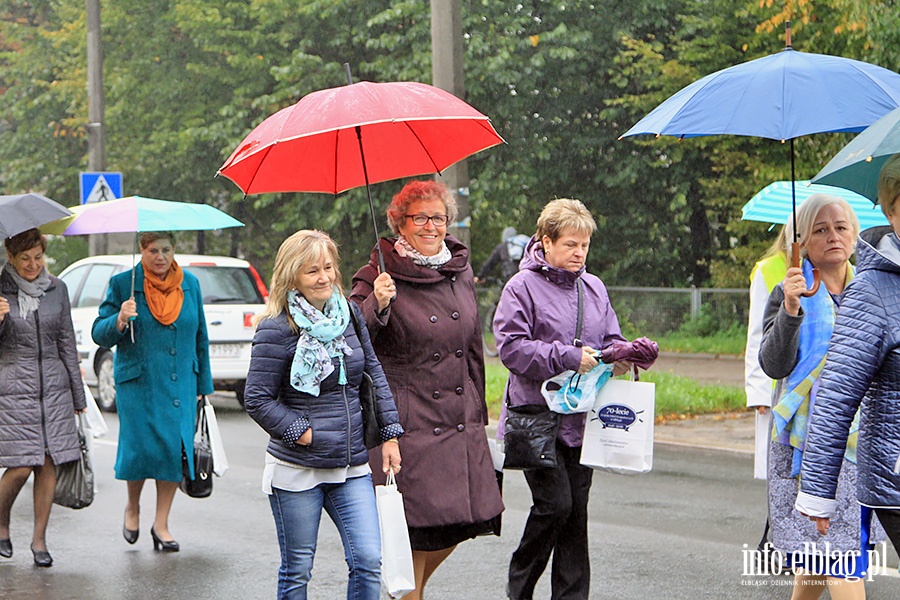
(863, 368)
(334, 415)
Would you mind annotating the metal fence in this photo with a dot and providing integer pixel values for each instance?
(659, 311)
(655, 311)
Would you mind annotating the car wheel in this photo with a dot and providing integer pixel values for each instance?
(239, 391)
(106, 384)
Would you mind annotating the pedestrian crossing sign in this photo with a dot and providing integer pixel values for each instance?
(100, 186)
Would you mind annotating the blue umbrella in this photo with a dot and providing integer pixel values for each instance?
(772, 204)
(780, 97)
(857, 165)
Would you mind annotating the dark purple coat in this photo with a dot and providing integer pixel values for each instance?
(429, 345)
(535, 328)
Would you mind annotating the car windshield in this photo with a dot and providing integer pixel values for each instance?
(226, 285)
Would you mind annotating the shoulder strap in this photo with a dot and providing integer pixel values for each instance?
(580, 320)
(355, 323)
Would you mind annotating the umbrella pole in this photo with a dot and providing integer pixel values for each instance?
(362, 156)
(133, 254)
(371, 203)
(795, 245)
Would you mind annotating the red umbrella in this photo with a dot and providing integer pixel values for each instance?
(341, 138)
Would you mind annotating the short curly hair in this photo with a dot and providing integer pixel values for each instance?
(419, 190)
(148, 237)
(25, 241)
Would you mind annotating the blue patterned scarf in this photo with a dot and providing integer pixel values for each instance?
(791, 413)
(321, 338)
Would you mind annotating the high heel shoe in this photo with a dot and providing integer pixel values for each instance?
(158, 544)
(42, 558)
(130, 535)
(6, 548)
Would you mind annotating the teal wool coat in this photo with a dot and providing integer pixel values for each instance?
(158, 378)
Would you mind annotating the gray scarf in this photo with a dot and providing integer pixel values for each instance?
(406, 250)
(30, 292)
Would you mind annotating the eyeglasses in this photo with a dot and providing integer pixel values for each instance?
(421, 220)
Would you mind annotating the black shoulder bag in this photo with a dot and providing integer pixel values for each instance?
(371, 431)
(201, 485)
(530, 438)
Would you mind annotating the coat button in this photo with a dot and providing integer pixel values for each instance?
(176, 402)
(437, 431)
(433, 319)
(436, 395)
(459, 353)
(459, 391)
(437, 356)
(174, 376)
(460, 427)
(172, 351)
(455, 315)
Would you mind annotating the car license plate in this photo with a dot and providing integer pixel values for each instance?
(224, 350)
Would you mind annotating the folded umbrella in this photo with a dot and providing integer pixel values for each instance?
(643, 352)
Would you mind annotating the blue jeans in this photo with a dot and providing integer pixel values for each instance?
(351, 505)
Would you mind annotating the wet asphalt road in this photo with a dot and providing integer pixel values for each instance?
(676, 533)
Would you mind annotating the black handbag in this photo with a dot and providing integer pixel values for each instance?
(201, 485)
(75, 480)
(530, 430)
(371, 430)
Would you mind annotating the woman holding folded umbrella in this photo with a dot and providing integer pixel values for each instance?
(423, 318)
(159, 372)
(535, 327)
(796, 335)
(40, 385)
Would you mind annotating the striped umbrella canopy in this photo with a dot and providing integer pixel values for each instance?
(772, 204)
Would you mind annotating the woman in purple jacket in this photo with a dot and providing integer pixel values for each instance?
(535, 327)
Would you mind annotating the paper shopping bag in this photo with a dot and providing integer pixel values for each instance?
(396, 555)
(618, 435)
(220, 461)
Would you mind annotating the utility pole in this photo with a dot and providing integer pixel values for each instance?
(447, 74)
(96, 134)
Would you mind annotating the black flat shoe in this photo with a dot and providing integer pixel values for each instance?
(158, 544)
(6, 548)
(42, 558)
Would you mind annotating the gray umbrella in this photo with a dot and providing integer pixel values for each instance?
(22, 212)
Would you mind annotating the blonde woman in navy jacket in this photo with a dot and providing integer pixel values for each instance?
(303, 389)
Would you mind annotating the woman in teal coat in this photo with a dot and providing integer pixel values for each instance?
(159, 374)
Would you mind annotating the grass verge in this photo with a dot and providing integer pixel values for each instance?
(675, 395)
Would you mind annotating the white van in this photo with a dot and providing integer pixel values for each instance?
(233, 294)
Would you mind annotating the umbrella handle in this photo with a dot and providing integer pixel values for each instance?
(795, 262)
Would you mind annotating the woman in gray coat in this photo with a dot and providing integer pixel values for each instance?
(40, 385)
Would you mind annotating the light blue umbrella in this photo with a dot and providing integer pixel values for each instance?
(857, 165)
(772, 204)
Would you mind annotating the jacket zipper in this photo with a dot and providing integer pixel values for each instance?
(37, 325)
(349, 425)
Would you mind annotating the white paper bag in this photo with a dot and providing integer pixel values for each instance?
(396, 555)
(220, 461)
(618, 435)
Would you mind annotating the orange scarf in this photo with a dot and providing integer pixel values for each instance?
(165, 296)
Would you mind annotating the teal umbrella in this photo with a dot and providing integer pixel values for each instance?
(135, 214)
(772, 204)
(857, 165)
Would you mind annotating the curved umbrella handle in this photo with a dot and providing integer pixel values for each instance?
(795, 262)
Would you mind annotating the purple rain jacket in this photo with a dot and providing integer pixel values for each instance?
(535, 331)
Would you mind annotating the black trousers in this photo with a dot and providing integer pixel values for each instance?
(890, 520)
(557, 525)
